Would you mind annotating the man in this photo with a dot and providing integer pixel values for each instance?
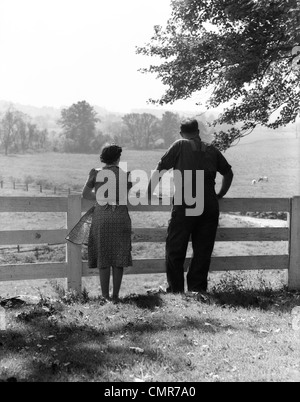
(191, 154)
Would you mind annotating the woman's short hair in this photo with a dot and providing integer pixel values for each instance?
(110, 153)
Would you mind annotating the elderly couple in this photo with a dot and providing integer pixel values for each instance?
(106, 228)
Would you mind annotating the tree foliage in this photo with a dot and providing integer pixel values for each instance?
(169, 127)
(79, 127)
(245, 51)
(146, 131)
(142, 128)
(19, 134)
(117, 131)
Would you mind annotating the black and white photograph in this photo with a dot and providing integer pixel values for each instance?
(150, 193)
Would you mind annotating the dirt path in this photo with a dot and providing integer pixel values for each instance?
(248, 221)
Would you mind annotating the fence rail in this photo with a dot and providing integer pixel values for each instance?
(46, 188)
(74, 269)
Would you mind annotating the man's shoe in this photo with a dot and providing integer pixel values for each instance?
(163, 290)
(175, 292)
(156, 291)
(191, 294)
(204, 297)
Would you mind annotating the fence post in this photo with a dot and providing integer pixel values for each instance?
(294, 251)
(74, 259)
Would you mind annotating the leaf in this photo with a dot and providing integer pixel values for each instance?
(296, 323)
(296, 310)
(296, 50)
(137, 350)
(263, 331)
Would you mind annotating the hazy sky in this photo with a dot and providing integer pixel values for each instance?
(57, 52)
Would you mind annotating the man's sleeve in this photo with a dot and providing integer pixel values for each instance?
(169, 159)
(223, 166)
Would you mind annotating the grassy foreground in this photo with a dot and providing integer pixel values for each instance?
(244, 334)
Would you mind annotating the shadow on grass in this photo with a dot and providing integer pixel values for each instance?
(96, 341)
(147, 302)
(276, 300)
(47, 348)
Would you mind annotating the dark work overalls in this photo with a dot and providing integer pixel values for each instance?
(200, 229)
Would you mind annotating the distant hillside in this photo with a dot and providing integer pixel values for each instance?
(54, 113)
(32, 111)
(265, 134)
(46, 117)
(50, 111)
(158, 112)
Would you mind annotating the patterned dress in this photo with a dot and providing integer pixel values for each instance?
(105, 228)
(109, 243)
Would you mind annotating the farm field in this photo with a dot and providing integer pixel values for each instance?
(246, 333)
(275, 157)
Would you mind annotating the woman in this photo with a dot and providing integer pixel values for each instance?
(109, 236)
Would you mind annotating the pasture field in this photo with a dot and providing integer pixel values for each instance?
(275, 156)
(245, 334)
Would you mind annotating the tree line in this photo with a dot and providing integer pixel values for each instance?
(81, 131)
(134, 130)
(19, 134)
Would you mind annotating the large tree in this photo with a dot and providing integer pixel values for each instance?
(22, 133)
(8, 130)
(117, 131)
(245, 51)
(18, 134)
(169, 127)
(79, 126)
(142, 128)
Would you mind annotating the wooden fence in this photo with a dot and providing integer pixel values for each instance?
(74, 269)
(46, 188)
